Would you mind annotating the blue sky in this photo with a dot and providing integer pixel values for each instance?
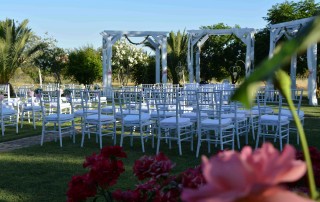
(76, 23)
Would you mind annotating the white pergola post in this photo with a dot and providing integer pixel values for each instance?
(312, 67)
(293, 71)
(156, 45)
(164, 60)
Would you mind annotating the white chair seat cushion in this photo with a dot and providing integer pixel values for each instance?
(263, 109)
(154, 114)
(172, 122)
(95, 118)
(193, 115)
(103, 99)
(134, 118)
(80, 113)
(62, 105)
(233, 116)
(76, 101)
(287, 112)
(63, 117)
(273, 119)
(30, 108)
(8, 111)
(107, 110)
(144, 108)
(215, 122)
(125, 112)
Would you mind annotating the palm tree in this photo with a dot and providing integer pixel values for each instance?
(177, 45)
(177, 54)
(13, 51)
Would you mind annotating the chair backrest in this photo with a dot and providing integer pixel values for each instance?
(269, 99)
(210, 103)
(22, 91)
(49, 99)
(91, 101)
(5, 89)
(130, 102)
(296, 95)
(188, 100)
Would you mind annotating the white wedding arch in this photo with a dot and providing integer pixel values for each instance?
(157, 39)
(198, 38)
(290, 30)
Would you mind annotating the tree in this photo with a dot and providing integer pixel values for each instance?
(145, 74)
(37, 66)
(220, 54)
(54, 61)
(177, 54)
(126, 58)
(13, 42)
(85, 65)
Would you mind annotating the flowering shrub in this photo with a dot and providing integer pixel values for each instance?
(104, 171)
(126, 57)
(229, 176)
(159, 185)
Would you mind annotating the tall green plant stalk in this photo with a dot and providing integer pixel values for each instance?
(283, 83)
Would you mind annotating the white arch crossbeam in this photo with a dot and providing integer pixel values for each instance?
(158, 41)
(290, 30)
(199, 37)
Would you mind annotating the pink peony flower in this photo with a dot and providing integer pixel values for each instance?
(249, 176)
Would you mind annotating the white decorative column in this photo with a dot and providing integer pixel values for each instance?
(198, 65)
(293, 71)
(164, 60)
(190, 58)
(104, 66)
(312, 67)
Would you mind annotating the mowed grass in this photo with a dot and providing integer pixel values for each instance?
(42, 173)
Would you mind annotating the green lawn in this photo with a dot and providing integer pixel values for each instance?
(42, 173)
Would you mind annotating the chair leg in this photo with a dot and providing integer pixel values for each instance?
(100, 136)
(60, 135)
(114, 134)
(83, 133)
(179, 142)
(158, 140)
(21, 119)
(33, 121)
(122, 134)
(73, 133)
(42, 133)
(258, 136)
(141, 137)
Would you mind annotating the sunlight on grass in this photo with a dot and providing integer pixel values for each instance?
(9, 196)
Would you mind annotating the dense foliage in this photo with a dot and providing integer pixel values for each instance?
(85, 65)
